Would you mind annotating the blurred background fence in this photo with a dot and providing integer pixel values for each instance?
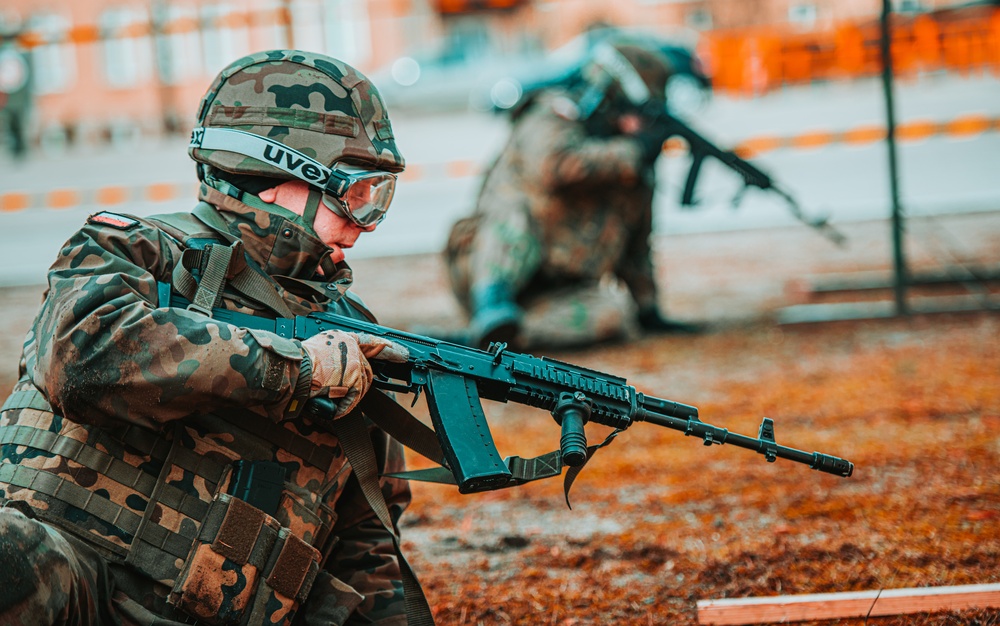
(112, 70)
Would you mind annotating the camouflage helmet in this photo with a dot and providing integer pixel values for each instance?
(627, 73)
(313, 104)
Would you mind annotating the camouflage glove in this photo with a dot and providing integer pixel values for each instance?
(340, 368)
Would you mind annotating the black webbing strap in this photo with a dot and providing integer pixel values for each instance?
(253, 284)
(204, 293)
(242, 276)
(360, 452)
(220, 266)
(573, 472)
(402, 426)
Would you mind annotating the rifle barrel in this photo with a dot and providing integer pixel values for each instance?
(710, 434)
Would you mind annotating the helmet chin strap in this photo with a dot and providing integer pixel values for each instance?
(311, 208)
(306, 220)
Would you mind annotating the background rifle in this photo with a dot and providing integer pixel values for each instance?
(700, 148)
(457, 377)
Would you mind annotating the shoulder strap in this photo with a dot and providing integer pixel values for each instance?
(217, 263)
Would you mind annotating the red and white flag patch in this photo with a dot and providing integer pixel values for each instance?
(114, 220)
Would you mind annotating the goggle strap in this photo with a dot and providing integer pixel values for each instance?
(338, 183)
(273, 153)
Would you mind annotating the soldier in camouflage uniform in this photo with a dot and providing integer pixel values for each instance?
(564, 215)
(16, 95)
(155, 463)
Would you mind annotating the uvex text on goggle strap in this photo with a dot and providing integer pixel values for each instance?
(361, 196)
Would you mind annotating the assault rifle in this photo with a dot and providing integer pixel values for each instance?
(700, 148)
(456, 378)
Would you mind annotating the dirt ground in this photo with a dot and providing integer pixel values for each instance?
(659, 521)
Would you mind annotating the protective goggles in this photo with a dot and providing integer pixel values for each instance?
(361, 196)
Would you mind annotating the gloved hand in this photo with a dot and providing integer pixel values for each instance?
(340, 365)
(651, 321)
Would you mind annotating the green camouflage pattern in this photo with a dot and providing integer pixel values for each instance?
(561, 207)
(44, 580)
(313, 103)
(125, 377)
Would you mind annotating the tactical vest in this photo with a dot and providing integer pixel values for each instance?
(162, 502)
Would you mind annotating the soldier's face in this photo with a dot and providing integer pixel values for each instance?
(629, 123)
(337, 232)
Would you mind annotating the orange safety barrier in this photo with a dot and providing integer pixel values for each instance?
(961, 127)
(754, 60)
(91, 33)
(110, 196)
(916, 130)
(461, 169)
(160, 193)
(16, 201)
(862, 135)
(412, 172)
(62, 198)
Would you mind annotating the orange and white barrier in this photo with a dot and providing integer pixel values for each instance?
(962, 127)
(752, 61)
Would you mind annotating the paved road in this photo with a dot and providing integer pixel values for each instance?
(849, 183)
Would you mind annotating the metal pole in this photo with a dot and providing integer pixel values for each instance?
(160, 15)
(286, 15)
(899, 262)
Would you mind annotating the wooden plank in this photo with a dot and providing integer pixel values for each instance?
(820, 606)
(884, 309)
(872, 280)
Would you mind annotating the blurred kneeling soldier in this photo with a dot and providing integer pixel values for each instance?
(564, 216)
(156, 466)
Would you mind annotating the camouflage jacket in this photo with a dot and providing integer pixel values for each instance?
(589, 196)
(133, 412)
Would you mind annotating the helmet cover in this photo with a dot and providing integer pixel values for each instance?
(312, 103)
(627, 72)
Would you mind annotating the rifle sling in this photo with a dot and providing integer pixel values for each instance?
(402, 426)
(357, 445)
(572, 472)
